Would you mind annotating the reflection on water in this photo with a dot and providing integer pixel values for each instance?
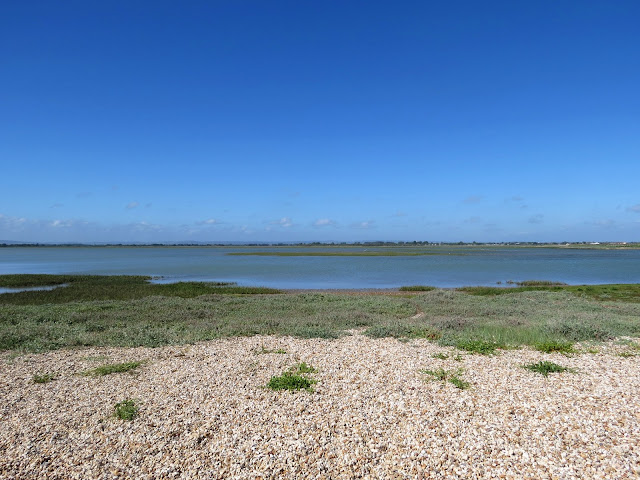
(29, 289)
(451, 267)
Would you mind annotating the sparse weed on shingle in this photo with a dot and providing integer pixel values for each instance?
(628, 354)
(290, 381)
(296, 378)
(43, 378)
(126, 410)
(303, 368)
(440, 355)
(553, 346)
(264, 351)
(112, 368)
(451, 376)
(546, 367)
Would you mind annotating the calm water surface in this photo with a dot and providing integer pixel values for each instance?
(454, 267)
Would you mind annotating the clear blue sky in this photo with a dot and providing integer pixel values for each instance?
(319, 120)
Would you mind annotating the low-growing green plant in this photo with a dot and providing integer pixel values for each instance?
(441, 355)
(43, 378)
(290, 381)
(112, 368)
(266, 351)
(451, 376)
(416, 288)
(546, 367)
(459, 383)
(555, 346)
(126, 410)
(303, 368)
(400, 330)
(628, 354)
(479, 346)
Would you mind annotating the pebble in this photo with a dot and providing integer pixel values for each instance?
(205, 413)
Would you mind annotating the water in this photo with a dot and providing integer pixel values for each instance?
(30, 289)
(455, 267)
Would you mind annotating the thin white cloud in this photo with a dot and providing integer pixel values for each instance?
(364, 225)
(283, 222)
(131, 205)
(324, 222)
(537, 218)
(209, 221)
(62, 223)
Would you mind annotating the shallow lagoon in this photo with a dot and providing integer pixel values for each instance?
(450, 266)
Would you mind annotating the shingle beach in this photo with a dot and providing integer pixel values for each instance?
(205, 413)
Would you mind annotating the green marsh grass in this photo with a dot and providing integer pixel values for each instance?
(111, 287)
(416, 288)
(555, 347)
(129, 312)
(372, 253)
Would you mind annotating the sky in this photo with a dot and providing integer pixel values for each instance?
(239, 120)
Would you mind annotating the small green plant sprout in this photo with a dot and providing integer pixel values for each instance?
(43, 378)
(440, 355)
(303, 368)
(126, 410)
(546, 367)
(265, 351)
(451, 376)
(112, 368)
(555, 346)
(628, 354)
(479, 346)
(290, 381)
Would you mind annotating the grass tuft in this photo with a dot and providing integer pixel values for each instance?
(303, 368)
(555, 346)
(112, 368)
(263, 350)
(126, 410)
(43, 378)
(481, 347)
(400, 330)
(546, 367)
(451, 376)
(290, 381)
(441, 355)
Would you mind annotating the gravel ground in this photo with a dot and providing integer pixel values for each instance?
(204, 413)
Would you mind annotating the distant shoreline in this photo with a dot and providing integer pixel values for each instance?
(403, 245)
